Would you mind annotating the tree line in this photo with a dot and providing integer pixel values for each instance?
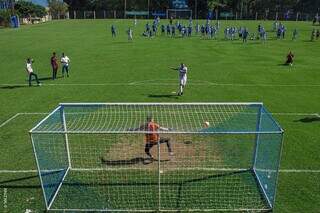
(247, 7)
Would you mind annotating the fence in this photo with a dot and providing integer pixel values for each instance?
(223, 15)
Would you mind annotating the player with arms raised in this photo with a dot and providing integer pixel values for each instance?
(183, 69)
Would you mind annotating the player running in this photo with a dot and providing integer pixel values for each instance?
(183, 69)
(152, 137)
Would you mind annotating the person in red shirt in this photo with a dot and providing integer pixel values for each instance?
(54, 65)
(290, 57)
(152, 136)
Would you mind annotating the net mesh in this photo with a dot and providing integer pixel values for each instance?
(180, 118)
(193, 170)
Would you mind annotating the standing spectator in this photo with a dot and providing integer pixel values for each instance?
(313, 34)
(245, 35)
(290, 57)
(315, 19)
(54, 65)
(295, 34)
(113, 31)
(130, 34)
(65, 64)
(168, 30)
(31, 73)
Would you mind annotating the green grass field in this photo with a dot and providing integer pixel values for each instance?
(115, 70)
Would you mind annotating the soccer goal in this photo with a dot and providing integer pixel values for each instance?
(179, 13)
(206, 157)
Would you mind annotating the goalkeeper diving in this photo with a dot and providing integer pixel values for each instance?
(152, 136)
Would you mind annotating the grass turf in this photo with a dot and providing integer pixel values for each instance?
(220, 71)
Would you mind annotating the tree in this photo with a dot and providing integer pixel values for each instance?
(26, 9)
(5, 18)
(57, 8)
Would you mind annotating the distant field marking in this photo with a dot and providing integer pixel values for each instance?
(45, 113)
(172, 82)
(281, 170)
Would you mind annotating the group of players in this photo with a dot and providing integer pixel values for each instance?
(210, 30)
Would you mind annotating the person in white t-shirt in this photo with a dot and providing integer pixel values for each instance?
(183, 69)
(130, 34)
(65, 64)
(30, 72)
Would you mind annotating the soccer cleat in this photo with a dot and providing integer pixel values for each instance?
(39, 84)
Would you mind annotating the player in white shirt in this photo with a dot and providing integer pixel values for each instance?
(30, 72)
(130, 34)
(65, 64)
(183, 69)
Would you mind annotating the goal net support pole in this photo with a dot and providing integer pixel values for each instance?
(92, 157)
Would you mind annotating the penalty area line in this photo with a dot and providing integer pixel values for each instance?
(170, 82)
(281, 171)
(45, 113)
(10, 119)
(21, 113)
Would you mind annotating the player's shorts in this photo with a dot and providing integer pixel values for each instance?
(183, 80)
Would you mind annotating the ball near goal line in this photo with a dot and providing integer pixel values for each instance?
(158, 157)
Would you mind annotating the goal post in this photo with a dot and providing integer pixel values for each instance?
(206, 157)
(179, 13)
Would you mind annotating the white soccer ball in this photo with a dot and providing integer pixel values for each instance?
(206, 124)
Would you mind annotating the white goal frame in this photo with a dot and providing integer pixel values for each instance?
(178, 10)
(68, 167)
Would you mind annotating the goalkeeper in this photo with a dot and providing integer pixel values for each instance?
(152, 137)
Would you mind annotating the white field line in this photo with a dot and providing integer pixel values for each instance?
(46, 113)
(10, 119)
(21, 113)
(236, 169)
(169, 82)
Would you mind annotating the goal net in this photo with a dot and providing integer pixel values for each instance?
(206, 157)
(179, 13)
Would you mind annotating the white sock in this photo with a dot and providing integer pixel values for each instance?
(181, 89)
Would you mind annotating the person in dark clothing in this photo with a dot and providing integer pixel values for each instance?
(54, 65)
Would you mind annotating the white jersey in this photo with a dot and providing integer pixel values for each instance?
(29, 67)
(65, 61)
(183, 75)
(183, 71)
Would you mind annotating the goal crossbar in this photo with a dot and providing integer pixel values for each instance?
(217, 157)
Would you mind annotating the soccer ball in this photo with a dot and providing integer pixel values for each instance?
(206, 124)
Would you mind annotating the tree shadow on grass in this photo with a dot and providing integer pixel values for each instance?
(308, 119)
(22, 182)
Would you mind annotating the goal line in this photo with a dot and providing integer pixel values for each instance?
(210, 169)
